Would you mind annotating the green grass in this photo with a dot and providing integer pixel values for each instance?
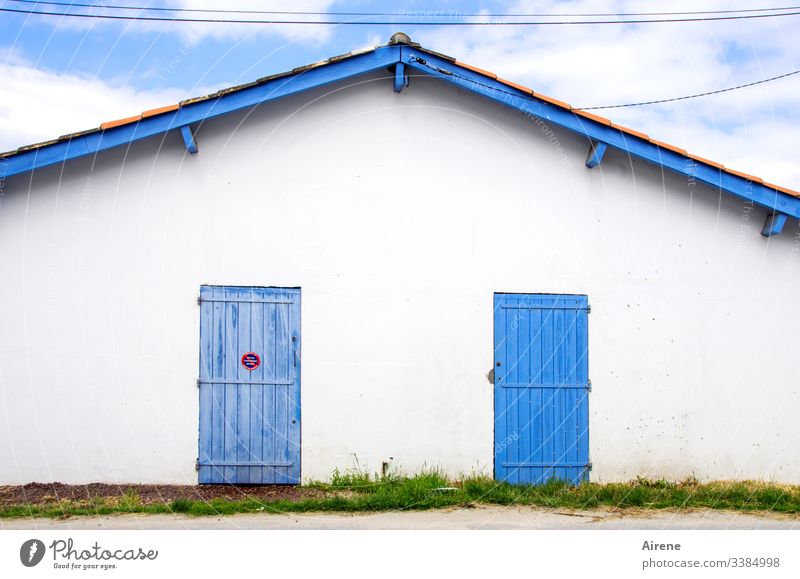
(359, 492)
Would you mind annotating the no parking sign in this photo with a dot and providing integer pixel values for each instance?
(251, 360)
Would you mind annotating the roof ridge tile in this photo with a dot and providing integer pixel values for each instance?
(592, 116)
(519, 87)
(119, 122)
(480, 71)
(160, 110)
(552, 101)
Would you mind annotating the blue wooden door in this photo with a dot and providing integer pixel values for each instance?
(249, 385)
(541, 388)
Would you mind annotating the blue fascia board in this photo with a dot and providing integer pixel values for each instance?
(196, 112)
(595, 131)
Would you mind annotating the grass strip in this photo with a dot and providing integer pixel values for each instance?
(359, 492)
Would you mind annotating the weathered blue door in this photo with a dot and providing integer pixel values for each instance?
(541, 388)
(249, 385)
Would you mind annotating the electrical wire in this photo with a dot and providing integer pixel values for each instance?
(416, 13)
(393, 23)
(424, 63)
(691, 96)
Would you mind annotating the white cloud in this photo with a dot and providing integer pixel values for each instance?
(749, 129)
(37, 105)
(372, 41)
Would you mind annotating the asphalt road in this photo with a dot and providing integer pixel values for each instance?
(484, 517)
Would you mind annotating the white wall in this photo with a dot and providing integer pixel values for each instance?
(399, 216)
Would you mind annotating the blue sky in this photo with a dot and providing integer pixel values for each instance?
(62, 75)
(138, 51)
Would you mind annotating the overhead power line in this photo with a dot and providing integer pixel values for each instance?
(449, 72)
(691, 96)
(404, 14)
(393, 22)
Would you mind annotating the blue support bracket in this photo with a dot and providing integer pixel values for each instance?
(596, 152)
(400, 77)
(774, 224)
(188, 139)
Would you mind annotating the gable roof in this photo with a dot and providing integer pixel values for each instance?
(400, 55)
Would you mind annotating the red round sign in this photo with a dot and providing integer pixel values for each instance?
(251, 360)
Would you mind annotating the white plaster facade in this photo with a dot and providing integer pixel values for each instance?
(398, 215)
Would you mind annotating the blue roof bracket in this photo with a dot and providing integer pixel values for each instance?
(465, 78)
(400, 77)
(188, 139)
(774, 223)
(596, 152)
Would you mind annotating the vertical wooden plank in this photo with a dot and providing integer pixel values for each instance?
(571, 425)
(570, 438)
(295, 436)
(500, 444)
(269, 443)
(243, 391)
(569, 329)
(548, 377)
(206, 402)
(555, 319)
(566, 318)
(282, 366)
(524, 377)
(537, 394)
(218, 372)
(582, 338)
(231, 375)
(558, 393)
(257, 331)
(510, 376)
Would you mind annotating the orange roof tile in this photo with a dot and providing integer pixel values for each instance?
(476, 69)
(746, 176)
(707, 161)
(631, 132)
(791, 192)
(158, 111)
(593, 117)
(515, 85)
(553, 101)
(669, 147)
(120, 122)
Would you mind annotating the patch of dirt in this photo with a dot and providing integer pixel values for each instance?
(49, 493)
